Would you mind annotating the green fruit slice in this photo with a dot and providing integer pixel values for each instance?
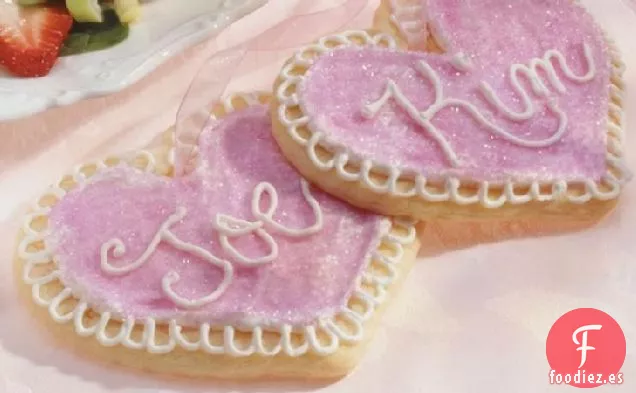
(90, 37)
(85, 10)
(31, 2)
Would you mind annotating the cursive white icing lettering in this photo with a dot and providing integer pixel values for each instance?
(164, 234)
(227, 227)
(460, 62)
(538, 86)
(393, 91)
(267, 217)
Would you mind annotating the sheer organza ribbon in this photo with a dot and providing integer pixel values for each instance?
(211, 82)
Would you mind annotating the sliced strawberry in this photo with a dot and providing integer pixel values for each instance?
(30, 38)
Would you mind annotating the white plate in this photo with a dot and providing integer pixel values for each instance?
(166, 28)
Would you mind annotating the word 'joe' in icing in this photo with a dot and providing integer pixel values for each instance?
(227, 227)
(242, 238)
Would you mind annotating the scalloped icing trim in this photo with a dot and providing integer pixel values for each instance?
(406, 17)
(345, 327)
(401, 183)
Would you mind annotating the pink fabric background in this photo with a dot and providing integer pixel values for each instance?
(473, 320)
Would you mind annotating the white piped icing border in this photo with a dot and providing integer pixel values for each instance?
(345, 327)
(452, 189)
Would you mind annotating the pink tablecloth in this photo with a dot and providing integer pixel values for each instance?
(473, 320)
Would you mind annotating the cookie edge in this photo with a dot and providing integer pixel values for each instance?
(388, 183)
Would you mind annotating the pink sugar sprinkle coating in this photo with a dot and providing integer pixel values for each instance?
(312, 277)
(493, 35)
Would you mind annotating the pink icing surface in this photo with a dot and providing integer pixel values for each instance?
(494, 35)
(312, 276)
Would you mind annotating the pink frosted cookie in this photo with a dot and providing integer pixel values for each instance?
(520, 116)
(241, 269)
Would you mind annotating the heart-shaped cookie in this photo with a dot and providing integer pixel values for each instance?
(242, 259)
(520, 116)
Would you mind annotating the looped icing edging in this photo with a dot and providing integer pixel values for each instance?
(406, 16)
(452, 189)
(345, 327)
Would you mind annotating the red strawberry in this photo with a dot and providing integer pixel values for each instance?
(30, 38)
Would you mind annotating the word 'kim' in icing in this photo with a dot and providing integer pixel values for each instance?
(227, 227)
(460, 62)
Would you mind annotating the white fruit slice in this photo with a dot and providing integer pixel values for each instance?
(128, 11)
(85, 10)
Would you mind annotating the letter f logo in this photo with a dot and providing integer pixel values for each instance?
(583, 343)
